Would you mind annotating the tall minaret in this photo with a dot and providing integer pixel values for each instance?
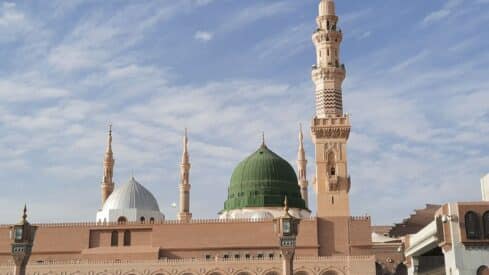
(330, 128)
(184, 213)
(107, 183)
(302, 167)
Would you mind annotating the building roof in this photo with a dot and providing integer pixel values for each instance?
(415, 222)
(131, 195)
(263, 180)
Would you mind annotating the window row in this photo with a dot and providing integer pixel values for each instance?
(229, 256)
(114, 238)
(123, 219)
(477, 228)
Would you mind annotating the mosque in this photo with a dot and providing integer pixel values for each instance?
(130, 235)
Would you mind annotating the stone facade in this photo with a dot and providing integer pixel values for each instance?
(304, 266)
(455, 242)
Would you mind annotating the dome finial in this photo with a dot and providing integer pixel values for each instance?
(263, 138)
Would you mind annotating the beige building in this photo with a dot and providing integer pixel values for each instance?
(455, 242)
(130, 236)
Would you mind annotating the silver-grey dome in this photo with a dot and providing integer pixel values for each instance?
(131, 195)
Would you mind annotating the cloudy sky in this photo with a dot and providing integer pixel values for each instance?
(417, 90)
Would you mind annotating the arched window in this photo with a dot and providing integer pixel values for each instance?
(401, 269)
(152, 220)
(331, 163)
(127, 238)
(142, 219)
(114, 238)
(483, 270)
(485, 222)
(379, 270)
(122, 219)
(472, 226)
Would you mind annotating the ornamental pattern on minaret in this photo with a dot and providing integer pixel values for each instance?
(328, 73)
(302, 168)
(107, 181)
(184, 211)
(330, 127)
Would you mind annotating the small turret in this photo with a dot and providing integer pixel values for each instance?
(184, 212)
(302, 168)
(107, 182)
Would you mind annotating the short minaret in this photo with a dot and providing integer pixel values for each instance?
(184, 213)
(330, 127)
(302, 168)
(107, 182)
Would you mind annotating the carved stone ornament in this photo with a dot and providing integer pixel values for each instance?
(343, 132)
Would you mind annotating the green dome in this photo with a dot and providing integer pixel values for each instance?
(263, 180)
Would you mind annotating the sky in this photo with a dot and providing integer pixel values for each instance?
(416, 88)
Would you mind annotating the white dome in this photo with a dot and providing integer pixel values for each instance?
(131, 195)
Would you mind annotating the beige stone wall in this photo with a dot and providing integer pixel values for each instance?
(303, 266)
(170, 239)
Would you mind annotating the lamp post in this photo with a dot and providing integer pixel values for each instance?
(286, 228)
(22, 237)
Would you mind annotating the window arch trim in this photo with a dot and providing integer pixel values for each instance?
(472, 225)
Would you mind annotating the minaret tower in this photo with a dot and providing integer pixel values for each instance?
(107, 183)
(184, 213)
(330, 127)
(302, 167)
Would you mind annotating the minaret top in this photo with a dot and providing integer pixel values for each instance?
(185, 157)
(327, 7)
(109, 143)
(301, 154)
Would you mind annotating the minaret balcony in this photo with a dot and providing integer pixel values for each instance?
(327, 36)
(332, 126)
(330, 73)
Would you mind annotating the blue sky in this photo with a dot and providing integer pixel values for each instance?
(417, 90)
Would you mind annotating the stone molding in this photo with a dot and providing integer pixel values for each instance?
(343, 265)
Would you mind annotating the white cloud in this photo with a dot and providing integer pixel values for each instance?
(203, 36)
(290, 42)
(255, 13)
(17, 91)
(410, 61)
(446, 11)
